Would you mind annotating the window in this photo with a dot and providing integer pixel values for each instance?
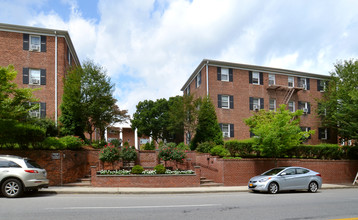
(35, 77)
(307, 129)
(225, 101)
(301, 171)
(291, 106)
(228, 130)
(187, 90)
(256, 78)
(305, 107)
(291, 81)
(35, 43)
(321, 85)
(256, 103)
(272, 79)
(272, 105)
(304, 83)
(225, 74)
(323, 133)
(39, 112)
(198, 80)
(290, 171)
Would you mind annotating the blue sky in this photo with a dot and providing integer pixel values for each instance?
(150, 47)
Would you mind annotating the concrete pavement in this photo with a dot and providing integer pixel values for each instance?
(141, 190)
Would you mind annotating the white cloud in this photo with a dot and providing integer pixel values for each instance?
(151, 47)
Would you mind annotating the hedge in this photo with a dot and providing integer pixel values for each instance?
(239, 148)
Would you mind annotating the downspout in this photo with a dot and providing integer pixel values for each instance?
(56, 109)
(207, 77)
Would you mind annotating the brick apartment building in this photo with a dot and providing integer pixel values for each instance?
(41, 58)
(237, 90)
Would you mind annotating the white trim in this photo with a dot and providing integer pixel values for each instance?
(207, 77)
(56, 95)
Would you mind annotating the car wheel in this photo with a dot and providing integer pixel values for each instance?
(12, 188)
(313, 187)
(273, 188)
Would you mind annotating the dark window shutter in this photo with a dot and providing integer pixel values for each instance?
(26, 43)
(250, 77)
(43, 76)
(320, 133)
(262, 103)
(328, 134)
(221, 126)
(43, 110)
(200, 78)
(309, 128)
(219, 101)
(319, 87)
(309, 107)
(251, 103)
(231, 101)
(251, 134)
(231, 77)
(25, 75)
(219, 73)
(231, 130)
(308, 83)
(43, 43)
(261, 78)
(300, 105)
(196, 82)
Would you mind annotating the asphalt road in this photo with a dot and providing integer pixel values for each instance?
(326, 204)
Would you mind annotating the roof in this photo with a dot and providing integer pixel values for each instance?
(250, 68)
(42, 31)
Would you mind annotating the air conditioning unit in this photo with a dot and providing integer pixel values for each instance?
(35, 81)
(256, 107)
(305, 110)
(35, 47)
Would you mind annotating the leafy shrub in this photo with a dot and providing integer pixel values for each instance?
(219, 151)
(205, 147)
(149, 146)
(159, 169)
(109, 154)
(171, 152)
(183, 146)
(137, 169)
(320, 151)
(128, 153)
(115, 142)
(48, 124)
(53, 143)
(242, 148)
(71, 142)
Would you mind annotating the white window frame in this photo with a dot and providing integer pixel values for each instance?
(187, 90)
(305, 106)
(226, 134)
(325, 134)
(198, 80)
(36, 113)
(225, 74)
(323, 85)
(34, 46)
(303, 83)
(226, 102)
(34, 80)
(274, 104)
(256, 102)
(256, 76)
(291, 79)
(293, 106)
(272, 79)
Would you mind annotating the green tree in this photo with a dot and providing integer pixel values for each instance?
(339, 105)
(276, 131)
(14, 101)
(208, 128)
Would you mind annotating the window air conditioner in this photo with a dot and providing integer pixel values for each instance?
(256, 107)
(35, 81)
(305, 110)
(35, 47)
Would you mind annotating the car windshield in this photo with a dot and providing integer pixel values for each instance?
(272, 172)
(32, 164)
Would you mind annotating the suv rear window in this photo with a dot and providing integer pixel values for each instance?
(32, 164)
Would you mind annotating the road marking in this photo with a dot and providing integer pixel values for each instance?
(136, 207)
(345, 219)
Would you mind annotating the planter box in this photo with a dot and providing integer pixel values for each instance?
(162, 180)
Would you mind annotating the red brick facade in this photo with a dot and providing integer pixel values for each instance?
(13, 51)
(240, 90)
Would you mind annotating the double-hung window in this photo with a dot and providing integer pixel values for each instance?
(198, 80)
(323, 133)
(227, 130)
(291, 81)
(305, 107)
(39, 111)
(256, 78)
(291, 106)
(34, 76)
(272, 79)
(35, 43)
(256, 103)
(321, 85)
(225, 74)
(307, 129)
(272, 105)
(226, 101)
(304, 83)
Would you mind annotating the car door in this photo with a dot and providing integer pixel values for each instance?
(4, 169)
(288, 177)
(302, 179)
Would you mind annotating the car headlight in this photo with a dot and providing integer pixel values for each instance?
(264, 179)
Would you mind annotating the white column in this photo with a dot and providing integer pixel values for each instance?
(136, 139)
(105, 134)
(121, 135)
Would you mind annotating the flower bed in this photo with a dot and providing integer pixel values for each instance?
(145, 172)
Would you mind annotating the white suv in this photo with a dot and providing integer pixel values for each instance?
(19, 174)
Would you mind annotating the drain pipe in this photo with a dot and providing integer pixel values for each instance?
(56, 108)
(207, 77)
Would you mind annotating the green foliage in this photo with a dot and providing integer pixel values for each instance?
(23, 134)
(72, 142)
(183, 146)
(46, 123)
(128, 153)
(339, 106)
(53, 143)
(115, 142)
(137, 169)
(321, 151)
(171, 152)
(159, 169)
(205, 147)
(99, 144)
(276, 131)
(14, 101)
(242, 148)
(208, 128)
(149, 146)
(219, 151)
(109, 153)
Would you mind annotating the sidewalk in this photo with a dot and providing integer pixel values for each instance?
(138, 190)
